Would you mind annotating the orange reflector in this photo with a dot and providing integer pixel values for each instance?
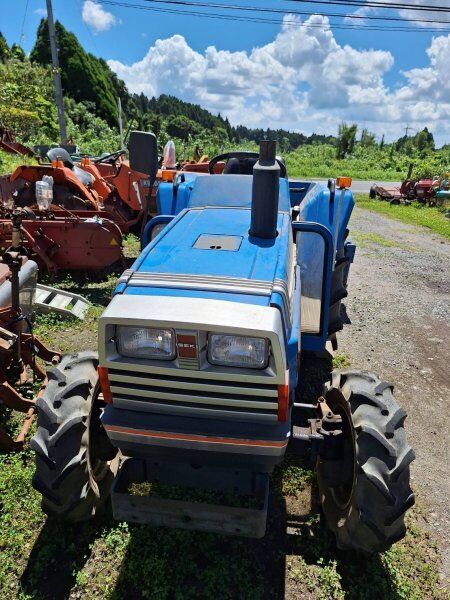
(85, 161)
(167, 175)
(344, 182)
(57, 164)
(283, 402)
(104, 384)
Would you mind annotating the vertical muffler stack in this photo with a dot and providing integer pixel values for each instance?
(265, 192)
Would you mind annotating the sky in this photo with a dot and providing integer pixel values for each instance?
(302, 72)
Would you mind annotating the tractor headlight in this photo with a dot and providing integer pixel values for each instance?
(238, 351)
(145, 342)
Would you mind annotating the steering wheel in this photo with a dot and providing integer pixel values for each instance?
(110, 157)
(242, 155)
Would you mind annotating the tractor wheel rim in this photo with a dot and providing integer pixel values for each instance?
(342, 493)
(97, 467)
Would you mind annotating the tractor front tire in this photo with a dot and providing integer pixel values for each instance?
(75, 462)
(365, 492)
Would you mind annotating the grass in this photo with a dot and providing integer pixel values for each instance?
(44, 559)
(372, 163)
(9, 162)
(430, 217)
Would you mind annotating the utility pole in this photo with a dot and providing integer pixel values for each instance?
(56, 74)
(119, 108)
(407, 128)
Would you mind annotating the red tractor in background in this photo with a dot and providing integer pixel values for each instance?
(93, 202)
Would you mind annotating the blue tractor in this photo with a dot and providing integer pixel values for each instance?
(197, 369)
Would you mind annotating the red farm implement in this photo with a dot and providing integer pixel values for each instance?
(8, 144)
(19, 348)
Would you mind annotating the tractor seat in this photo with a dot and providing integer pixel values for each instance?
(61, 154)
(236, 166)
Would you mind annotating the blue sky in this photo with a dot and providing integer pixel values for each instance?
(301, 75)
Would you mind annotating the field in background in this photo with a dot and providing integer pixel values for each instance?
(367, 163)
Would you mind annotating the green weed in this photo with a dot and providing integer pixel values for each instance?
(430, 217)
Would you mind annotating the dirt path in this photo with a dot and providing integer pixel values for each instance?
(399, 305)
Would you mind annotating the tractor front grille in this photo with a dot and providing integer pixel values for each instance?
(194, 396)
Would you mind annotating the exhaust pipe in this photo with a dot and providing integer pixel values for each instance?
(265, 192)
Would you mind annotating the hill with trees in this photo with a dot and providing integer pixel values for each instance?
(91, 90)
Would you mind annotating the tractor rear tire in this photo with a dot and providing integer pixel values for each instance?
(75, 462)
(366, 492)
(373, 192)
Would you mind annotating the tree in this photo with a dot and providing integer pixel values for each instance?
(346, 139)
(83, 76)
(4, 49)
(17, 53)
(424, 140)
(367, 138)
(182, 127)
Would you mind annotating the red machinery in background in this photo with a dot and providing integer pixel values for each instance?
(92, 204)
(19, 348)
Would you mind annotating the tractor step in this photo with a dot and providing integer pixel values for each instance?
(50, 299)
(130, 503)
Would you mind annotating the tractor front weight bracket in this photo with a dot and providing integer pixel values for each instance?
(322, 436)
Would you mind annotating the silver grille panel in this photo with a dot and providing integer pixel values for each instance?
(194, 396)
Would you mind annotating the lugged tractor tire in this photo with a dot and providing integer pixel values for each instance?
(366, 508)
(67, 419)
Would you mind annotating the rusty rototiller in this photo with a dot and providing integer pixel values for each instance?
(19, 348)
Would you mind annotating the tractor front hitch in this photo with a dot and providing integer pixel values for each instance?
(323, 436)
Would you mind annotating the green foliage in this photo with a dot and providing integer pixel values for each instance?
(416, 214)
(368, 138)
(182, 127)
(9, 162)
(91, 133)
(422, 143)
(84, 77)
(25, 100)
(346, 140)
(382, 164)
(17, 52)
(4, 49)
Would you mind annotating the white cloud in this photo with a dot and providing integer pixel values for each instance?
(407, 13)
(41, 12)
(302, 80)
(97, 17)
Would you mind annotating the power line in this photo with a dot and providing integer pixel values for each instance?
(23, 23)
(376, 4)
(285, 22)
(237, 7)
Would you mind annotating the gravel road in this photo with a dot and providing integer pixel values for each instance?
(399, 306)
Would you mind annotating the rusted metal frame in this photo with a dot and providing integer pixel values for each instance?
(12, 399)
(38, 247)
(7, 443)
(33, 345)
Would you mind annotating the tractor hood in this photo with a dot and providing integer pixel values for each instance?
(208, 251)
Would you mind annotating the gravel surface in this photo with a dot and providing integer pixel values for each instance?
(399, 306)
